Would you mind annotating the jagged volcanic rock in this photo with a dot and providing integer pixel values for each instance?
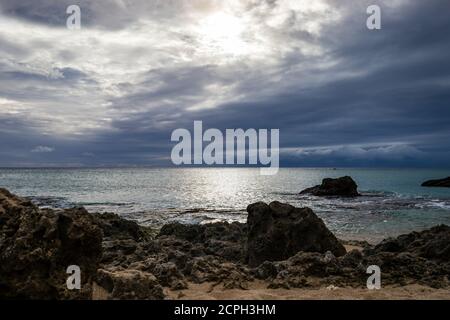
(278, 231)
(37, 246)
(281, 245)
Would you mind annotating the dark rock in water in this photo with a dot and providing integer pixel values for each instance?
(278, 231)
(37, 247)
(437, 183)
(342, 187)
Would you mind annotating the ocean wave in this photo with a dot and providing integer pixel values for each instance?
(106, 204)
(51, 202)
(377, 193)
(159, 217)
(437, 203)
(373, 202)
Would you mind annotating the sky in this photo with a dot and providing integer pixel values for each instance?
(111, 93)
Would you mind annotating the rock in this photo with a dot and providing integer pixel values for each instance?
(129, 285)
(168, 275)
(284, 246)
(405, 268)
(266, 270)
(278, 231)
(182, 231)
(437, 183)
(115, 227)
(222, 231)
(222, 239)
(342, 187)
(217, 270)
(432, 244)
(37, 246)
(301, 270)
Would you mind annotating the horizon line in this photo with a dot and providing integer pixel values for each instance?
(217, 167)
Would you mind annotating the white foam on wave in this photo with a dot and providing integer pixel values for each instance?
(439, 204)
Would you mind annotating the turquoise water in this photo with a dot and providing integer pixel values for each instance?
(393, 201)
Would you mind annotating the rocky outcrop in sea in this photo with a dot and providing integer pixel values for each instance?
(341, 187)
(444, 183)
(283, 246)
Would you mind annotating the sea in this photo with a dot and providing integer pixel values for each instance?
(392, 201)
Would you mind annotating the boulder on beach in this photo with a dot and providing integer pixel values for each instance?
(433, 244)
(445, 183)
(342, 187)
(37, 246)
(278, 231)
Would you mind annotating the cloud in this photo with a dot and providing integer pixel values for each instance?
(397, 152)
(139, 69)
(42, 149)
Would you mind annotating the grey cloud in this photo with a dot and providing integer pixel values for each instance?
(365, 98)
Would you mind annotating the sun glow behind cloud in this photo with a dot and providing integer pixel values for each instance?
(112, 64)
(224, 34)
(117, 62)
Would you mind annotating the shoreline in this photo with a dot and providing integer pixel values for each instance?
(123, 260)
(389, 204)
(346, 236)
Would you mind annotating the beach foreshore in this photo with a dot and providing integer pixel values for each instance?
(258, 291)
(281, 252)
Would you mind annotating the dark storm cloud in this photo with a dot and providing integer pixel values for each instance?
(369, 98)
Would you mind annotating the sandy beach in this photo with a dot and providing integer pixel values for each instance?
(258, 291)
